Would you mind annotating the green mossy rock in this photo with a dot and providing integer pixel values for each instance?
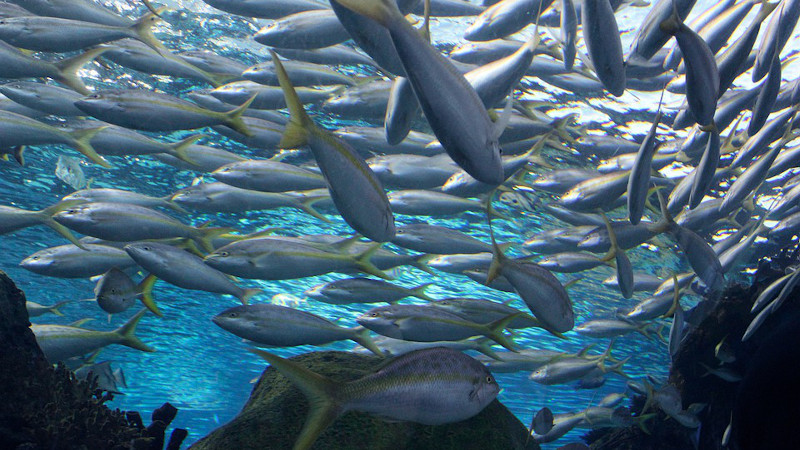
(276, 411)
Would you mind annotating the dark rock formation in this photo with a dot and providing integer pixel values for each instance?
(276, 411)
(764, 405)
(42, 407)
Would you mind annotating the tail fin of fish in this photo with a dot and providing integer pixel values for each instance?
(673, 23)
(81, 139)
(307, 206)
(233, 118)
(419, 292)
(382, 11)
(47, 219)
(206, 235)
(249, 293)
(484, 346)
(143, 28)
(495, 331)
(68, 69)
(126, 333)
(145, 290)
(320, 391)
(178, 149)
(54, 309)
(362, 338)
(296, 131)
(364, 262)
(498, 256)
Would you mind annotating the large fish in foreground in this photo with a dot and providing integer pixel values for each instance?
(453, 109)
(432, 386)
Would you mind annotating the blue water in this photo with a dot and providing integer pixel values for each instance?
(207, 372)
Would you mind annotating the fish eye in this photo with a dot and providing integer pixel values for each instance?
(489, 379)
(224, 254)
(35, 258)
(374, 314)
(146, 248)
(233, 315)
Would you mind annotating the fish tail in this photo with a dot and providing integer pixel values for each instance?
(765, 10)
(82, 141)
(178, 149)
(362, 338)
(145, 289)
(173, 206)
(496, 328)
(233, 118)
(307, 206)
(666, 222)
(205, 236)
(381, 11)
(54, 309)
(497, 253)
(296, 131)
(485, 347)
(673, 23)
(364, 262)
(249, 293)
(320, 391)
(419, 292)
(126, 333)
(19, 154)
(143, 28)
(68, 69)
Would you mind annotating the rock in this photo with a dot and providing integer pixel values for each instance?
(276, 411)
(763, 404)
(42, 407)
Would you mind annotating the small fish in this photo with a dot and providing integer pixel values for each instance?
(281, 326)
(35, 309)
(364, 290)
(469, 137)
(60, 342)
(347, 174)
(115, 292)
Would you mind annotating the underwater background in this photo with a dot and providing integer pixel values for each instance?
(207, 372)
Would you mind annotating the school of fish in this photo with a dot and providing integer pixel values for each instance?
(472, 131)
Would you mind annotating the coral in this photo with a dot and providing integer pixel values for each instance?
(276, 411)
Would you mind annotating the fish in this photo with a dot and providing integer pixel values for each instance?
(56, 34)
(125, 222)
(282, 326)
(116, 292)
(60, 342)
(601, 34)
(276, 259)
(35, 309)
(71, 261)
(452, 385)
(364, 290)
(347, 174)
(425, 324)
(464, 129)
(154, 111)
(184, 269)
